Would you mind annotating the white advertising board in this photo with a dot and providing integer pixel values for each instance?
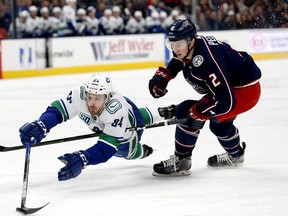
(23, 54)
(101, 50)
(237, 39)
(264, 41)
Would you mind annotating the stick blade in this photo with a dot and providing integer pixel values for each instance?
(25, 210)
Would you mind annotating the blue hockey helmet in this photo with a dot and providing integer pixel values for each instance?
(181, 29)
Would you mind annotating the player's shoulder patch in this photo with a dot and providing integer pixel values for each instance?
(198, 60)
(113, 106)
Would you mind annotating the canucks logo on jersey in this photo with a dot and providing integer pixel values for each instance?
(113, 106)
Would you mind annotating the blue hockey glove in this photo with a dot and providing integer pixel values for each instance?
(74, 163)
(159, 82)
(32, 133)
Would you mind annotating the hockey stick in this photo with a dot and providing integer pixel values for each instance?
(50, 142)
(23, 209)
(68, 139)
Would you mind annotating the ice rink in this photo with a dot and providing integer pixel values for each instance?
(127, 188)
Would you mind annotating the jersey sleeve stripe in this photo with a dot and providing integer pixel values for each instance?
(62, 108)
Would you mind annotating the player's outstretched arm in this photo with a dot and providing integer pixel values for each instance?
(77, 161)
(32, 133)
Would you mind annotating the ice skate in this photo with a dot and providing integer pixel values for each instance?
(147, 150)
(226, 160)
(174, 166)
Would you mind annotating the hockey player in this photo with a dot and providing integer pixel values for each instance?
(229, 81)
(103, 111)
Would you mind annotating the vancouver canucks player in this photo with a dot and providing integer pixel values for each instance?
(102, 110)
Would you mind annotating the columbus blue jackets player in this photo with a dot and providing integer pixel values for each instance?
(229, 82)
(102, 110)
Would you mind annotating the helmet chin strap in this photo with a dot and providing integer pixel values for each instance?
(189, 50)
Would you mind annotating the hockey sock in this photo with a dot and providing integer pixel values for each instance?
(185, 140)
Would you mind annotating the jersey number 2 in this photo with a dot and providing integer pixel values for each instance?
(214, 80)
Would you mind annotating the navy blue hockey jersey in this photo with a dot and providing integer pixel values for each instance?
(216, 70)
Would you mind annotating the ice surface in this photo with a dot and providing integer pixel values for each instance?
(127, 188)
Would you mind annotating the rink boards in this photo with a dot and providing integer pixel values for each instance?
(40, 57)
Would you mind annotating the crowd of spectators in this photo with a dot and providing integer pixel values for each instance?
(57, 18)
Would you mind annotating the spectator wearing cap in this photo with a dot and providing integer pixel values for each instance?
(162, 18)
(46, 23)
(68, 26)
(92, 22)
(118, 20)
(56, 20)
(174, 15)
(21, 22)
(33, 25)
(229, 22)
(136, 24)
(81, 22)
(153, 23)
(106, 23)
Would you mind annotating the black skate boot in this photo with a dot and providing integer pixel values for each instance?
(226, 160)
(147, 150)
(174, 166)
(167, 112)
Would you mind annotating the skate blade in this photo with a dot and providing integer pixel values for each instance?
(175, 174)
(235, 166)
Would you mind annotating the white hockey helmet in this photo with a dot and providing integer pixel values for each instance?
(98, 84)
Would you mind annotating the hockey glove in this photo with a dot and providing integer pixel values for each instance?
(74, 163)
(195, 120)
(167, 112)
(32, 133)
(159, 82)
(195, 113)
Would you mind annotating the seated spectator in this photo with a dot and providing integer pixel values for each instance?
(107, 24)
(81, 22)
(21, 21)
(118, 20)
(55, 20)
(46, 23)
(174, 15)
(34, 24)
(153, 23)
(92, 22)
(136, 24)
(68, 26)
(162, 18)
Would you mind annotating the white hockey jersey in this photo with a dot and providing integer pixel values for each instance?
(116, 117)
